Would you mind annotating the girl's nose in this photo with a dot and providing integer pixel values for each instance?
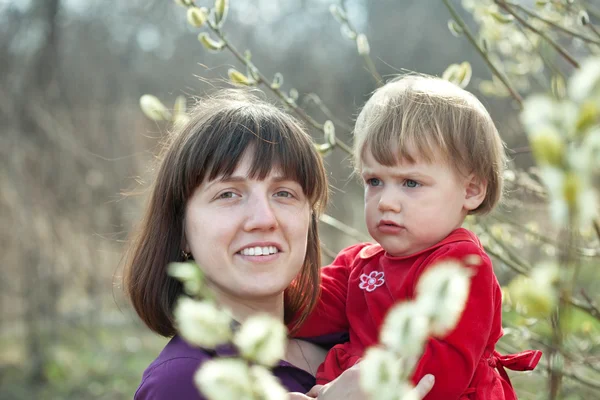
(389, 201)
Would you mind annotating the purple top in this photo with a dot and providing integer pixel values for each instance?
(170, 376)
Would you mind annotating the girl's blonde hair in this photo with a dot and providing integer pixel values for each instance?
(424, 117)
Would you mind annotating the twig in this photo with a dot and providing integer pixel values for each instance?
(548, 39)
(582, 251)
(554, 24)
(485, 57)
(325, 110)
(589, 383)
(263, 79)
(536, 338)
(592, 306)
(520, 261)
(509, 263)
(368, 60)
(342, 227)
(596, 227)
(328, 252)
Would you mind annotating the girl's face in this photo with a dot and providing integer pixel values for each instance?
(248, 236)
(412, 206)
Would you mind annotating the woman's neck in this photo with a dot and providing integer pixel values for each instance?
(242, 308)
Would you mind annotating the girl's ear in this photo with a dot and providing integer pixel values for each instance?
(475, 191)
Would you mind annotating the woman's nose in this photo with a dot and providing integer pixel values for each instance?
(260, 215)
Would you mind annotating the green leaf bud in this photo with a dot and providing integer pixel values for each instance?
(583, 18)
(237, 77)
(197, 16)
(338, 13)
(329, 131)
(294, 94)
(277, 81)
(484, 45)
(502, 18)
(221, 10)
(209, 43)
(454, 28)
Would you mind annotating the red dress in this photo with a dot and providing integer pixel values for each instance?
(364, 282)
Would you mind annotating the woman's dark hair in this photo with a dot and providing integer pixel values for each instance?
(221, 129)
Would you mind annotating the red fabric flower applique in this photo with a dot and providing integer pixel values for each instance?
(372, 281)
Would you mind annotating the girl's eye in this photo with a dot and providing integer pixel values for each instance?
(374, 182)
(411, 183)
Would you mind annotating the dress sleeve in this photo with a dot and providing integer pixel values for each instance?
(173, 379)
(329, 315)
(454, 358)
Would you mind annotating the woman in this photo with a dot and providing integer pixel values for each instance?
(239, 188)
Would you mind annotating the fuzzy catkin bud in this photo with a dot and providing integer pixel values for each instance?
(221, 10)
(237, 77)
(261, 339)
(362, 44)
(197, 16)
(209, 43)
(154, 108)
(454, 28)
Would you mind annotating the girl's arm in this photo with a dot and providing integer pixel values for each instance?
(461, 350)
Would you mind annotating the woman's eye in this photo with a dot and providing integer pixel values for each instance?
(284, 193)
(374, 182)
(411, 183)
(227, 195)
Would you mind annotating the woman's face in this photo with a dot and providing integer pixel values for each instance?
(248, 236)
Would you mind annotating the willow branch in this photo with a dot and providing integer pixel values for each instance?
(508, 262)
(582, 251)
(513, 92)
(554, 24)
(368, 60)
(325, 110)
(520, 261)
(328, 252)
(584, 381)
(548, 39)
(278, 92)
(345, 229)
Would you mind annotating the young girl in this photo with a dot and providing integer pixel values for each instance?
(429, 155)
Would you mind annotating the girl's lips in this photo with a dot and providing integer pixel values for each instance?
(389, 227)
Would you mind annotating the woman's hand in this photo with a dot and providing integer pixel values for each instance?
(346, 387)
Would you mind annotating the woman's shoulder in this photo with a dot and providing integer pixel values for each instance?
(170, 375)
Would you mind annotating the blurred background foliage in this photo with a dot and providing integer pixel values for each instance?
(74, 140)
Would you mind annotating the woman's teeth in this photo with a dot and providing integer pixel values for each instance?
(259, 251)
